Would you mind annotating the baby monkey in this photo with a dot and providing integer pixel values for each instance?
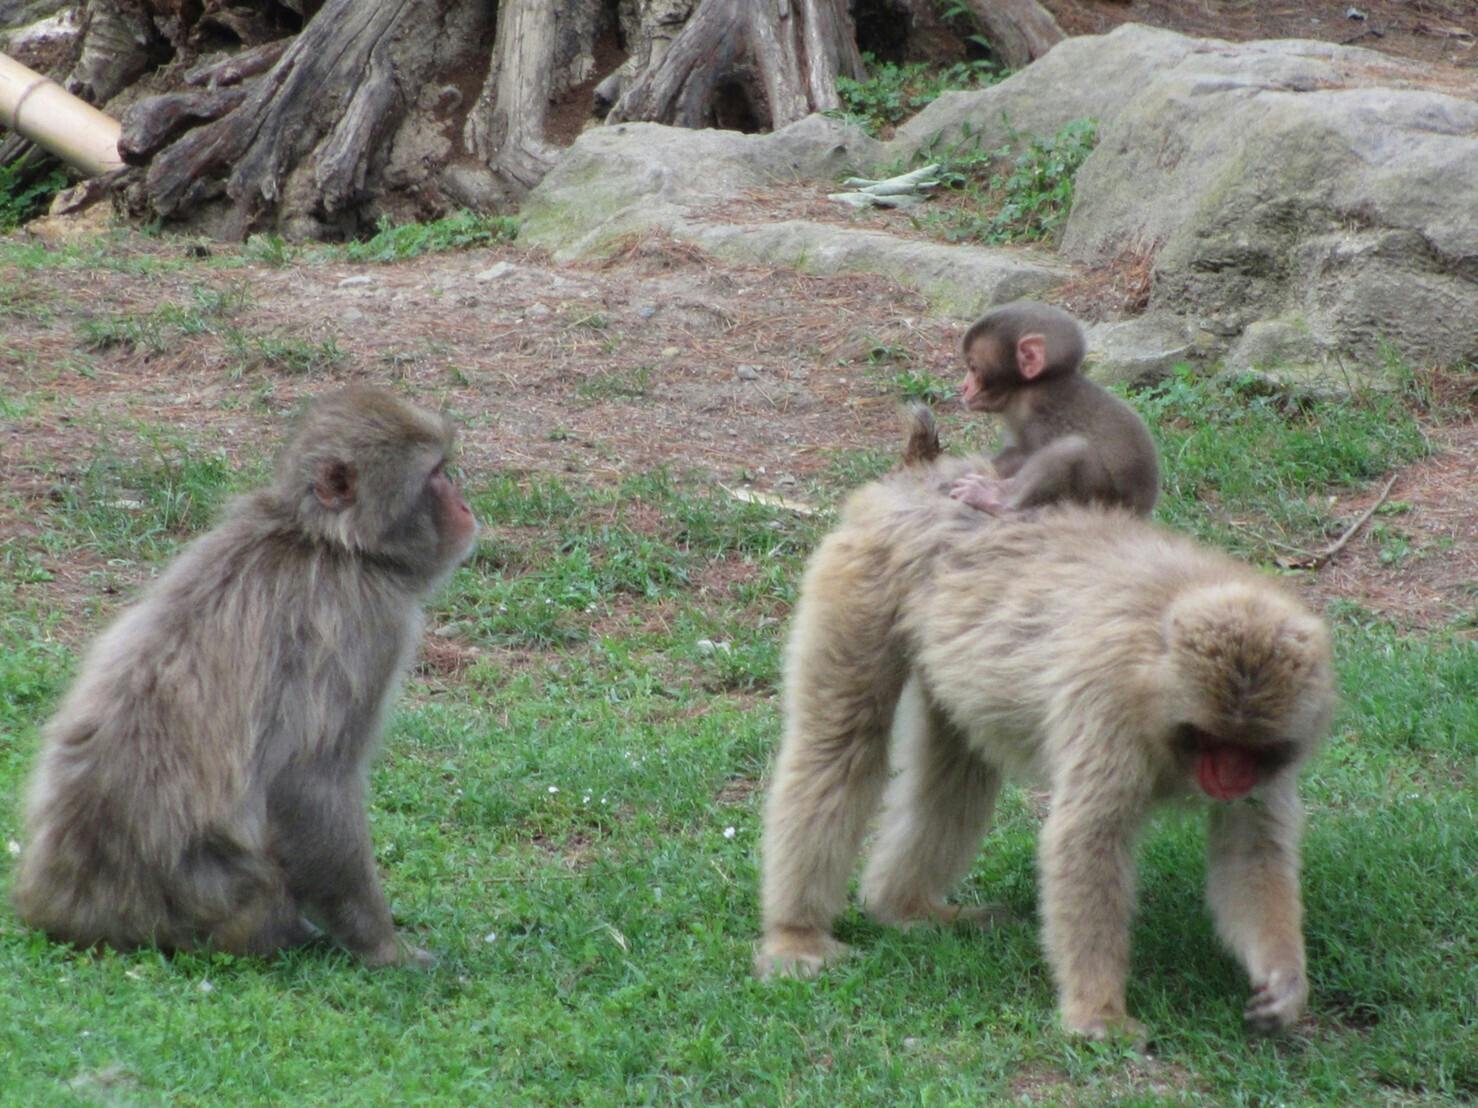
(1069, 438)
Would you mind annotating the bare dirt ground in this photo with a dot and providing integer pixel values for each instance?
(662, 356)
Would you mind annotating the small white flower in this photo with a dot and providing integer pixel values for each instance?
(206, 987)
(553, 789)
(490, 937)
(14, 847)
(729, 832)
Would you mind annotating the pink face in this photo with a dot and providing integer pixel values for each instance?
(979, 398)
(455, 524)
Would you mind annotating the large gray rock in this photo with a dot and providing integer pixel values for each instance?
(616, 180)
(1075, 80)
(959, 281)
(1309, 203)
(1287, 185)
(613, 180)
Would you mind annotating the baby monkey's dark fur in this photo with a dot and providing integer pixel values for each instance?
(1070, 439)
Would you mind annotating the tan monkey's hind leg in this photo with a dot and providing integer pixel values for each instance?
(935, 812)
(842, 685)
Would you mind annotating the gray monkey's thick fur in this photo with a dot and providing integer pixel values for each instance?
(1067, 646)
(202, 783)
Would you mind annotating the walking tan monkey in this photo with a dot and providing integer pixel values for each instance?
(1119, 663)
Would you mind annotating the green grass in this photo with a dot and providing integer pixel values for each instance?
(1246, 469)
(616, 384)
(210, 312)
(571, 824)
(394, 243)
(920, 384)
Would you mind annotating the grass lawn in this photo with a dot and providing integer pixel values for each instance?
(568, 807)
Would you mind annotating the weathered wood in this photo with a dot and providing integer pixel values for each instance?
(319, 134)
(1021, 31)
(328, 101)
(119, 42)
(153, 123)
(506, 126)
(232, 70)
(785, 55)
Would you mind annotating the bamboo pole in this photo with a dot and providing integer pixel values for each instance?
(38, 108)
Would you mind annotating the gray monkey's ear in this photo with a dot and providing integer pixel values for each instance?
(335, 485)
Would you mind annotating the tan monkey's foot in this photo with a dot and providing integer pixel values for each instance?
(796, 952)
(1103, 1026)
(1276, 1004)
(938, 913)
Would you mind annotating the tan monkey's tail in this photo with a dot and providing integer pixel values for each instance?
(922, 445)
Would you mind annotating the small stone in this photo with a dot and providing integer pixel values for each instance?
(538, 311)
(671, 351)
(747, 373)
(359, 281)
(646, 311)
(496, 272)
(707, 647)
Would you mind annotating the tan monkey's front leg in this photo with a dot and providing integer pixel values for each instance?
(1252, 887)
(1087, 878)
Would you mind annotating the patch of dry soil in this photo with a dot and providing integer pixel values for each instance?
(662, 356)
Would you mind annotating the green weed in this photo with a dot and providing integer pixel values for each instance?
(628, 384)
(283, 352)
(893, 93)
(25, 194)
(1021, 191)
(155, 332)
(392, 243)
(920, 384)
